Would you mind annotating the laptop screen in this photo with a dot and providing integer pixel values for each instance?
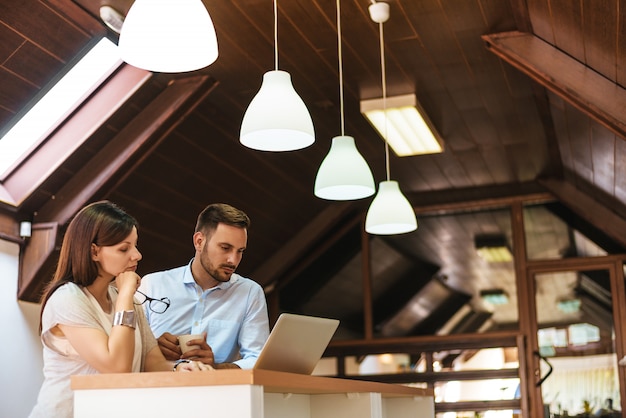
(296, 343)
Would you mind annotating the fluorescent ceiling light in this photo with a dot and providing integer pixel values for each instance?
(569, 305)
(66, 95)
(493, 248)
(495, 296)
(406, 127)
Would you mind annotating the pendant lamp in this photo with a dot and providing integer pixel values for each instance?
(344, 173)
(277, 119)
(168, 36)
(390, 212)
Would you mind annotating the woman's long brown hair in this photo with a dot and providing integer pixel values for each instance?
(102, 223)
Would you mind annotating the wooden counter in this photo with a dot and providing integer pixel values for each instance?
(244, 394)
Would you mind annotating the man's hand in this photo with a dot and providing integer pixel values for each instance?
(168, 344)
(203, 354)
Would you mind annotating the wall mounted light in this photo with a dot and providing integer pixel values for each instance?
(277, 119)
(168, 36)
(344, 173)
(390, 212)
(26, 229)
(408, 129)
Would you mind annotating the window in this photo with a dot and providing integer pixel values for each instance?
(57, 104)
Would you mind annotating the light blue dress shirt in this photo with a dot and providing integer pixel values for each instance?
(233, 314)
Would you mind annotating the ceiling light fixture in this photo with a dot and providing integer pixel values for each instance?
(277, 119)
(568, 305)
(493, 248)
(495, 296)
(168, 36)
(344, 173)
(390, 212)
(409, 131)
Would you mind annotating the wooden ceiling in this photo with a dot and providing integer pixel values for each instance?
(527, 94)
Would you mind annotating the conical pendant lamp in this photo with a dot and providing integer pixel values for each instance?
(168, 36)
(390, 212)
(277, 119)
(344, 173)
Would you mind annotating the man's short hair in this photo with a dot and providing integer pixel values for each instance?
(217, 213)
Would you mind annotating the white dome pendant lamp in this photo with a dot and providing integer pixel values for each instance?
(344, 173)
(168, 36)
(390, 212)
(277, 119)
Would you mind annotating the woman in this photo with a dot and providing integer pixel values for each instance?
(89, 326)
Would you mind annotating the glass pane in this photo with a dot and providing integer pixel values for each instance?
(473, 288)
(554, 232)
(575, 320)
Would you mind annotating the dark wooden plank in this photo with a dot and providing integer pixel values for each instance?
(566, 17)
(33, 64)
(621, 45)
(579, 142)
(599, 32)
(77, 16)
(620, 174)
(603, 157)
(10, 42)
(498, 162)
(15, 92)
(59, 38)
(540, 19)
(475, 167)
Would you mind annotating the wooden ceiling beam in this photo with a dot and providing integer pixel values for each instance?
(593, 94)
(103, 173)
(422, 344)
(597, 214)
(476, 198)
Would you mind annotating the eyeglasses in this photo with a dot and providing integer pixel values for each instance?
(155, 305)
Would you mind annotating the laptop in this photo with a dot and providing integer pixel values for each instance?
(296, 343)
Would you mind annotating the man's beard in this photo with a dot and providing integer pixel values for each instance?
(215, 273)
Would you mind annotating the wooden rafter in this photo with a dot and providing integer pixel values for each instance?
(593, 94)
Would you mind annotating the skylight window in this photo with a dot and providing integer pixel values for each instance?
(66, 95)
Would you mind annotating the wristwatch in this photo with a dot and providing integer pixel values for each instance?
(179, 361)
(125, 318)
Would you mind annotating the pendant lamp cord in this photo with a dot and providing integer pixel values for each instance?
(275, 34)
(384, 84)
(340, 66)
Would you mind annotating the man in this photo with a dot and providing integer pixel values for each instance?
(208, 297)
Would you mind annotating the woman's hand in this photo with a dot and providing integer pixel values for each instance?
(193, 366)
(127, 282)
